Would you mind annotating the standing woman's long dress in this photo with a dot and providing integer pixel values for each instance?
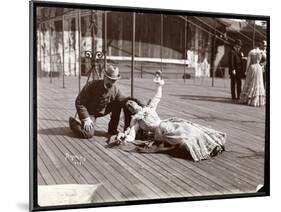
(253, 92)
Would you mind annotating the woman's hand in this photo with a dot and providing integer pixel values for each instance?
(158, 78)
(121, 136)
(128, 139)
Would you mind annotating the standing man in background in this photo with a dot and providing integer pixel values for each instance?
(235, 69)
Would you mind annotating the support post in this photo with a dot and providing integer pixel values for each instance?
(50, 52)
(214, 53)
(63, 71)
(133, 54)
(105, 40)
(254, 34)
(94, 35)
(161, 41)
(185, 54)
(78, 16)
(40, 50)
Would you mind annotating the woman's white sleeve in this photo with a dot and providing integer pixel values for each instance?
(248, 62)
(131, 132)
(156, 98)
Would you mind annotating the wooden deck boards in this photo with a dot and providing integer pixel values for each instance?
(131, 176)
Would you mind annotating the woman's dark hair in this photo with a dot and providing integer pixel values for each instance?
(128, 114)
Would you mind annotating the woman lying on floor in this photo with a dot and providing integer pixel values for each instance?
(173, 133)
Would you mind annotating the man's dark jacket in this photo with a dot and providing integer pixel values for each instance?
(94, 99)
(235, 63)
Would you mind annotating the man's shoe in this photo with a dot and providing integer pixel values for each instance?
(74, 125)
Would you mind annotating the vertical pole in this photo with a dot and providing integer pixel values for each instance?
(40, 49)
(93, 31)
(44, 51)
(161, 41)
(79, 46)
(93, 41)
(133, 54)
(105, 39)
(63, 71)
(50, 51)
(214, 50)
(184, 55)
(254, 33)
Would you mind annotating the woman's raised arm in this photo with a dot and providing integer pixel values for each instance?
(158, 95)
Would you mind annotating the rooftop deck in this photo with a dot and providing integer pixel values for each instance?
(64, 159)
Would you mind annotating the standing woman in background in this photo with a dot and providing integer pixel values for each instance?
(253, 92)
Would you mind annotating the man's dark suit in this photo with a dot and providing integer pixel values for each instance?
(95, 101)
(235, 63)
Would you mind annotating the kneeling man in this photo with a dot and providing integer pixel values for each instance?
(98, 98)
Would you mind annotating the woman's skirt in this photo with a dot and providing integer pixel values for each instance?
(199, 141)
(253, 92)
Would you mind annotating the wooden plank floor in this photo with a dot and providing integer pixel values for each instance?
(64, 159)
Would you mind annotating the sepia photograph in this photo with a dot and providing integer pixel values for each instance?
(135, 106)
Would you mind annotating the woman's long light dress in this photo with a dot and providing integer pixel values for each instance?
(199, 141)
(253, 92)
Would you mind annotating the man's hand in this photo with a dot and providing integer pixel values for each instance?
(88, 124)
(233, 72)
